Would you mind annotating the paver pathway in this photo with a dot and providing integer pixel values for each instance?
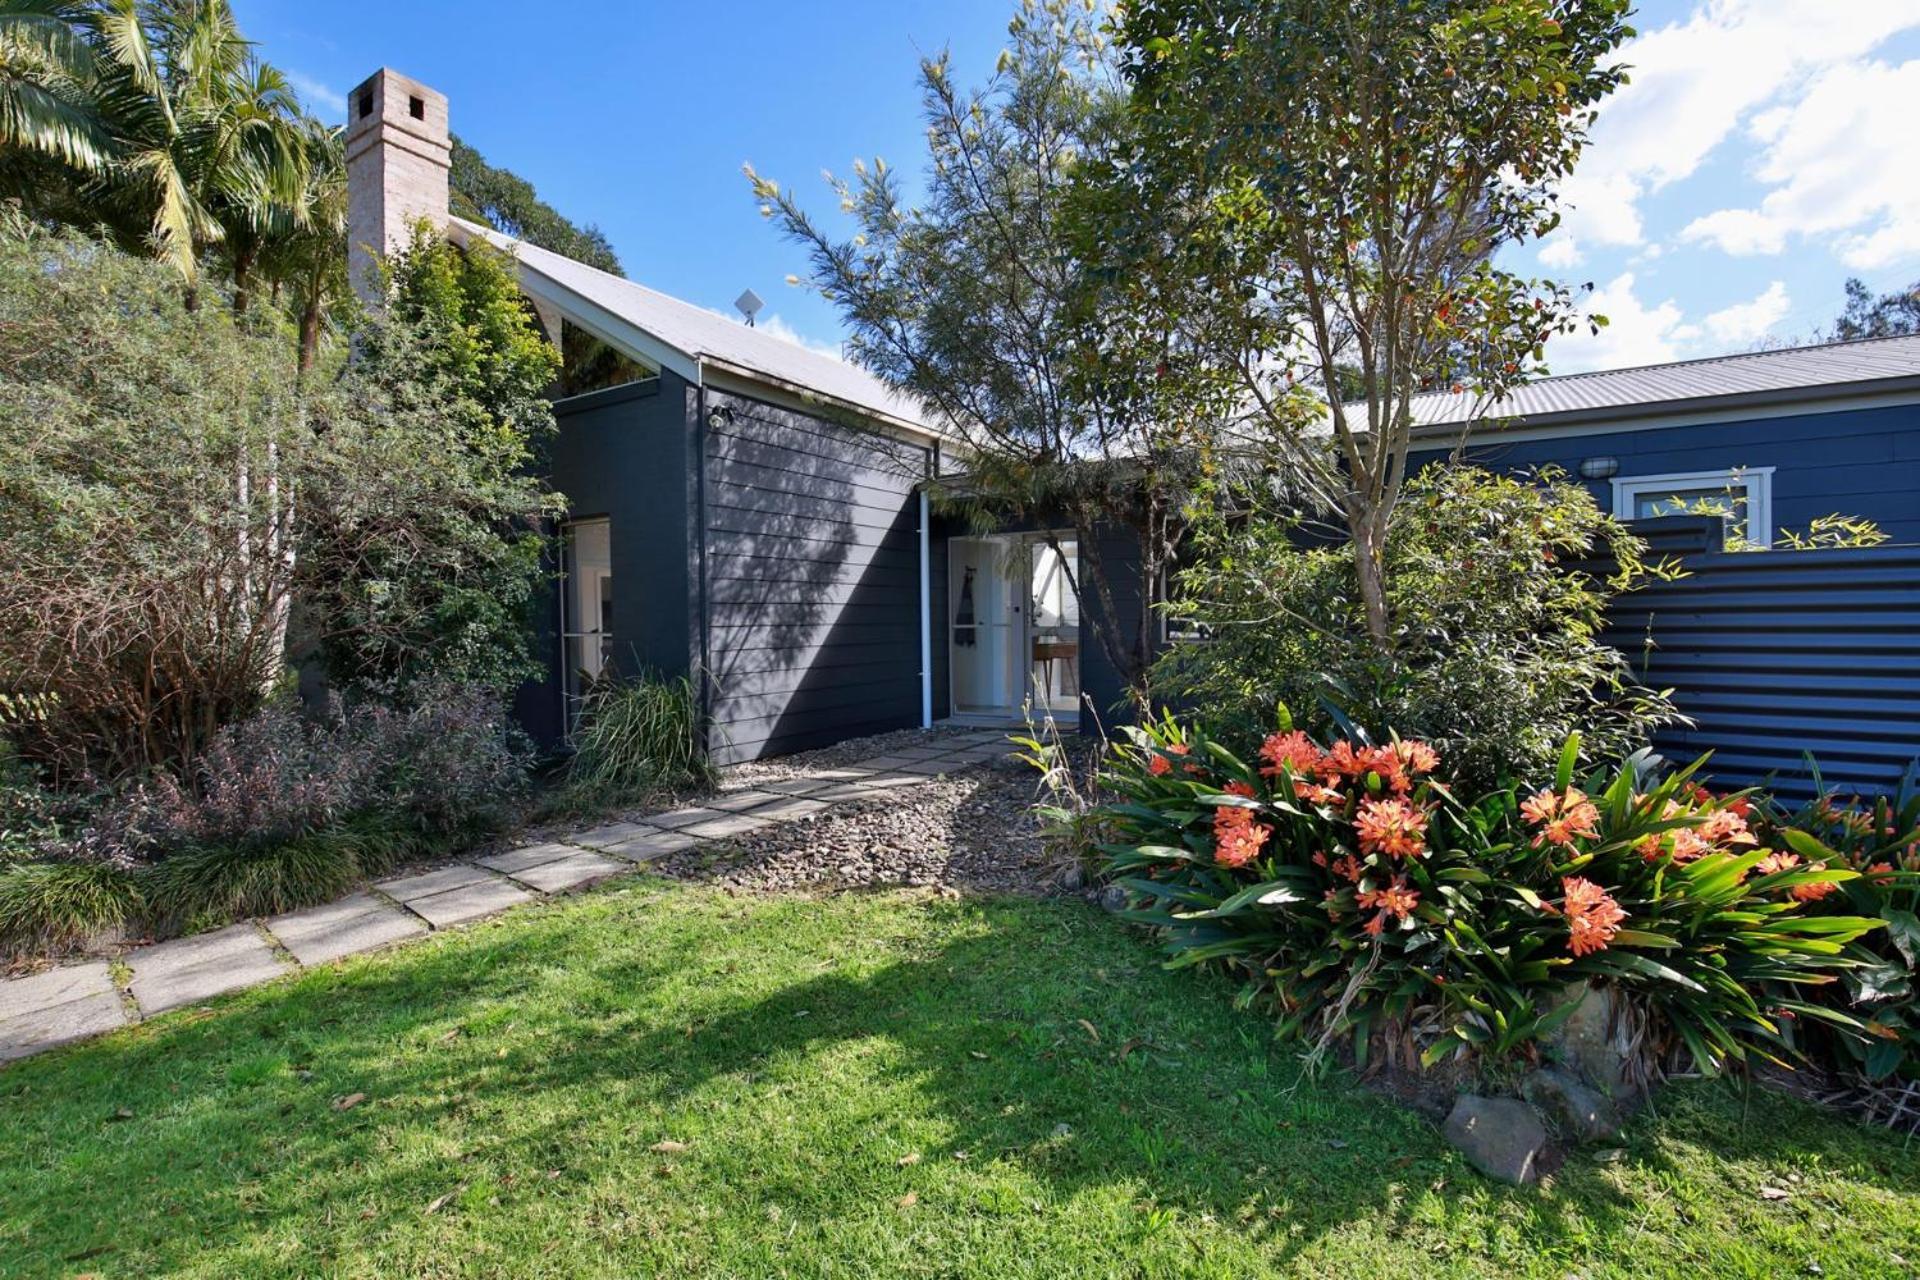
(79, 1001)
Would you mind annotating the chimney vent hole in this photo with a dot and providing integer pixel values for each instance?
(417, 108)
(366, 103)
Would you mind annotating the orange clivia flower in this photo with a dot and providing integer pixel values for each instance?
(1315, 793)
(1242, 789)
(1593, 917)
(1724, 826)
(1394, 827)
(1348, 867)
(1396, 900)
(1776, 862)
(1293, 752)
(1237, 837)
(1158, 765)
(1416, 757)
(1562, 816)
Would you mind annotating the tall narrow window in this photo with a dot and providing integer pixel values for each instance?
(586, 607)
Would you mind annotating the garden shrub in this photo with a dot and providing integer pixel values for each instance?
(279, 811)
(1880, 841)
(636, 737)
(1497, 603)
(1358, 898)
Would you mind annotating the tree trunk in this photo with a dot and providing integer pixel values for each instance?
(1369, 556)
(309, 337)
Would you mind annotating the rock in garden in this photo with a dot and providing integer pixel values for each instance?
(1113, 898)
(1580, 1113)
(1501, 1137)
(1596, 1042)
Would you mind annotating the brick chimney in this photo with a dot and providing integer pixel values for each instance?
(398, 155)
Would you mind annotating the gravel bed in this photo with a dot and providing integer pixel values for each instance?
(970, 830)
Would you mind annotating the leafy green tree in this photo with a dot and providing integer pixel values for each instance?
(151, 458)
(1320, 188)
(1497, 588)
(423, 562)
(1887, 316)
(977, 301)
(305, 256)
(50, 116)
(507, 202)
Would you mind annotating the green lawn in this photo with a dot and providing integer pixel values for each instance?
(864, 1086)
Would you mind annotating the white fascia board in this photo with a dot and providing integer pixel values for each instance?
(622, 335)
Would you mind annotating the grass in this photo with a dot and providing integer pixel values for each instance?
(855, 1086)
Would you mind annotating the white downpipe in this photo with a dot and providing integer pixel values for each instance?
(926, 629)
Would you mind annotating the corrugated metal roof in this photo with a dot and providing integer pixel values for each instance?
(707, 337)
(1754, 376)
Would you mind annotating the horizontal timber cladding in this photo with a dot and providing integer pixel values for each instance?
(812, 576)
(1778, 653)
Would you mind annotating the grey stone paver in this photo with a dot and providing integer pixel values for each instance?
(457, 876)
(39, 1029)
(54, 987)
(189, 970)
(846, 773)
(575, 871)
(789, 809)
(654, 844)
(354, 924)
(732, 824)
(613, 833)
(878, 763)
(738, 801)
(921, 753)
(514, 861)
(933, 768)
(675, 819)
(799, 786)
(469, 902)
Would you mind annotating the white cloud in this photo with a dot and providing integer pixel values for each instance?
(1841, 166)
(779, 328)
(1694, 82)
(318, 96)
(1741, 232)
(1636, 333)
(1747, 322)
(1561, 251)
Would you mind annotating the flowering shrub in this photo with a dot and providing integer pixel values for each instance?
(1356, 895)
(1880, 841)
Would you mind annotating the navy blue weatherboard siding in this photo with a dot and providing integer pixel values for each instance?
(1775, 653)
(813, 580)
(1857, 462)
(624, 453)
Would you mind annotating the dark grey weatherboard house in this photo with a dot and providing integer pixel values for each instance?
(742, 510)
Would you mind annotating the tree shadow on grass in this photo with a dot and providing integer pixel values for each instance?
(574, 1041)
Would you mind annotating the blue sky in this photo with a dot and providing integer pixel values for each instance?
(1764, 151)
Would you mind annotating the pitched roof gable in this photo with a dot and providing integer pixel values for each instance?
(690, 339)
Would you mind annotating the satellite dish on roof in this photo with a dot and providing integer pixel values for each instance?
(749, 304)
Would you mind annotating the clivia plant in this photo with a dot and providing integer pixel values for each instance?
(1359, 898)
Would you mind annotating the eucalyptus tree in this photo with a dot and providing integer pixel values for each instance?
(1323, 188)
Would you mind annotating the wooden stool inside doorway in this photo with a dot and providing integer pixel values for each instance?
(1048, 652)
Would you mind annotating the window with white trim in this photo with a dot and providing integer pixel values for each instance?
(586, 608)
(1743, 496)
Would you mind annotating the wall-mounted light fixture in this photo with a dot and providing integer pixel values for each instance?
(718, 419)
(1599, 468)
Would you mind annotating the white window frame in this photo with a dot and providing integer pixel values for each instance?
(1756, 481)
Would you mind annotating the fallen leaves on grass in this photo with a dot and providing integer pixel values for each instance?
(349, 1102)
(667, 1147)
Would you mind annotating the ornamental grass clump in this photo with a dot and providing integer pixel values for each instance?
(1360, 899)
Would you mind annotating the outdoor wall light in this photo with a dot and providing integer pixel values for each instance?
(1599, 468)
(718, 419)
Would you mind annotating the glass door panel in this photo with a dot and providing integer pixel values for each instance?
(983, 606)
(1054, 625)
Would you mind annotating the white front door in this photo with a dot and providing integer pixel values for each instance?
(1014, 625)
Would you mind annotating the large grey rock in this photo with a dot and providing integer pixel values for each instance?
(1596, 1041)
(189, 970)
(1112, 897)
(1572, 1107)
(348, 927)
(1501, 1137)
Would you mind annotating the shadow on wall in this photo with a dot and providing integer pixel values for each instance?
(813, 581)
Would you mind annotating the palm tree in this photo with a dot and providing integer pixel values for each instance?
(50, 120)
(210, 135)
(305, 253)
